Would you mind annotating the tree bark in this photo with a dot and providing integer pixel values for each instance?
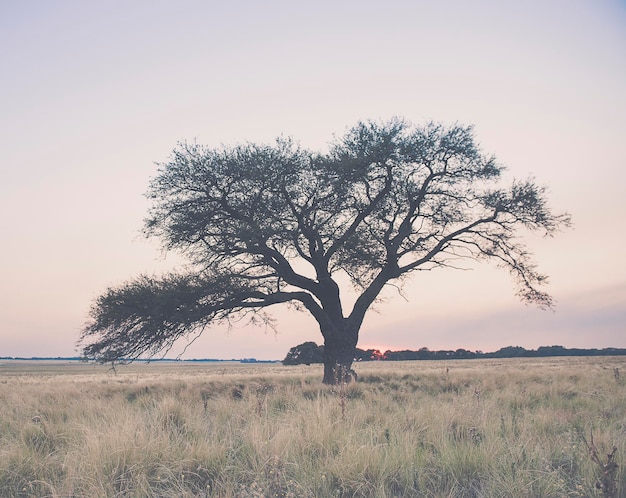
(339, 349)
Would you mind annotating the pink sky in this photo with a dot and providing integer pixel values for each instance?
(93, 93)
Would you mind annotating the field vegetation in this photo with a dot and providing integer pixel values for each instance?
(468, 428)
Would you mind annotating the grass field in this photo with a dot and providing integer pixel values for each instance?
(469, 428)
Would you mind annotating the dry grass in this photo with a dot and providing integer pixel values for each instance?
(480, 428)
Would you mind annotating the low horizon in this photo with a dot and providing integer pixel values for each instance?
(365, 348)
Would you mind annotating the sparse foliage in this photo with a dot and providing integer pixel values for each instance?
(274, 224)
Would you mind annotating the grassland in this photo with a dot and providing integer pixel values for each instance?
(473, 428)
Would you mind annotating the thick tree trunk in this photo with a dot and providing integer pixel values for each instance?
(339, 349)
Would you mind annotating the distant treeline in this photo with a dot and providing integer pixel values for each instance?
(310, 352)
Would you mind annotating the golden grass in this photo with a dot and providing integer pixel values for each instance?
(470, 428)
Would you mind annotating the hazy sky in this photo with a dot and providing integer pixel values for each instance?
(92, 94)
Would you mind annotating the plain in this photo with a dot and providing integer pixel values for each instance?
(466, 428)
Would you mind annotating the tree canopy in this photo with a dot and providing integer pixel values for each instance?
(268, 224)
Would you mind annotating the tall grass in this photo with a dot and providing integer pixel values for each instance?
(480, 428)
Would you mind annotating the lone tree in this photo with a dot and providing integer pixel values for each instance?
(270, 224)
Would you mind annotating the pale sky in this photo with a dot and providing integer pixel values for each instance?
(92, 94)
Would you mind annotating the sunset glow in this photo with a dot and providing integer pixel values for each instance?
(94, 93)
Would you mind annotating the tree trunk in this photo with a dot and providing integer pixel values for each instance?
(339, 350)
